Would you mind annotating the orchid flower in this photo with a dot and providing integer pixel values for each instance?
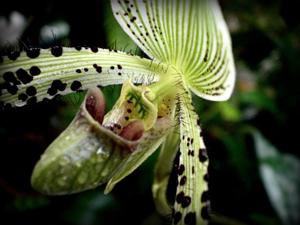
(189, 50)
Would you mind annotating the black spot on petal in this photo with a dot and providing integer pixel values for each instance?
(56, 51)
(62, 87)
(33, 52)
(94, 49)
(132, 19)
(10, 77)
(186, 201)
(12, 89)
(181, 169)
(191, 152)
(23, 76)
(52, 91)
(13, 55)
(34, 71)
(59, 85)
(177, 217)
(31, 91)
(23, 97)
(76, 85)
(98, 68)
(190, 218)
(180, 197)
(203, 155)
(182, 180)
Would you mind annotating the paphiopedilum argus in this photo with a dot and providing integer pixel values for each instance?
(189, 51)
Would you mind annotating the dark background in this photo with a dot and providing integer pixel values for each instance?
(266, 45)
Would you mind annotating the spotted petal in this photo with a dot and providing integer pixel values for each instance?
(190, 35)
(191, 202)
(42, 74)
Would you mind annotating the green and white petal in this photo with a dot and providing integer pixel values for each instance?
(190, 35)
(161, 28)
(141, 22)
(210, 70)
(39, 74)
(191, 201)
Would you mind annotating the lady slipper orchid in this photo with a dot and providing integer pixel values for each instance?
(189, 51)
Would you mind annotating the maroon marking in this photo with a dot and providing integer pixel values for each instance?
(95, 104)
(133, 131)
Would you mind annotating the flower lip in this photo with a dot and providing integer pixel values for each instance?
(93, 109)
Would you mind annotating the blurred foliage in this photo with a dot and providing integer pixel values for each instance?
(262, 112)
(280, 176)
